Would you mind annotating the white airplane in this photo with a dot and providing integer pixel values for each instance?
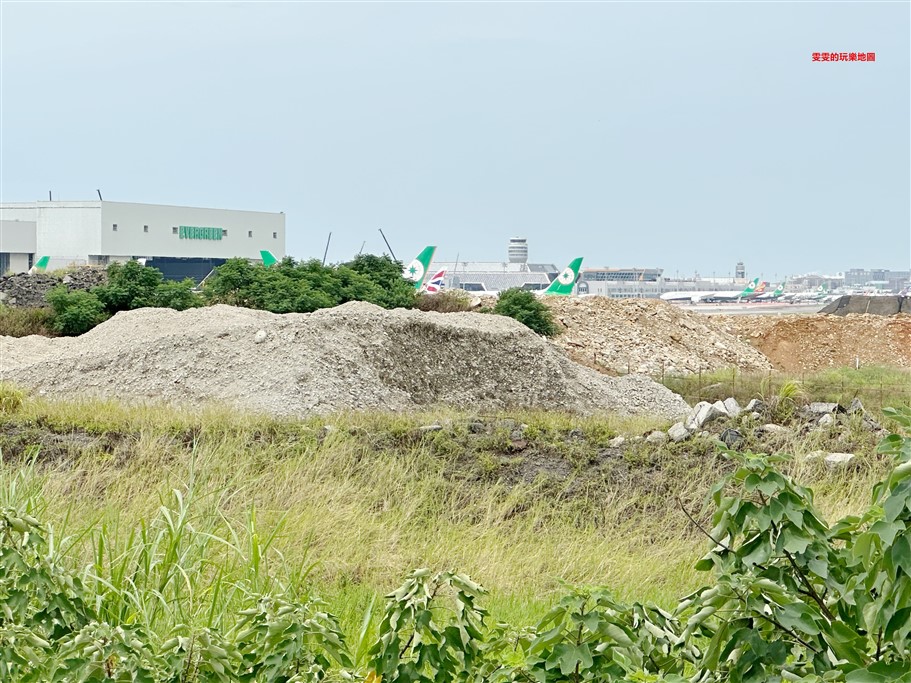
(712, 296)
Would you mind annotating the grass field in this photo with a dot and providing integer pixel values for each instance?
(346, 506)
(877, 387)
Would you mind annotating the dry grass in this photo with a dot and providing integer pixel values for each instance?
(21, 322)
(354, 508)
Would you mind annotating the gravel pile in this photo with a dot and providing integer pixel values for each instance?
(647, 336)
(355, 356)
(22, 290)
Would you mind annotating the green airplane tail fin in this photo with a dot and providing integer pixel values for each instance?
(268, 258)
(41, 265)
(750, 288)
(564, 282)
(417, 269)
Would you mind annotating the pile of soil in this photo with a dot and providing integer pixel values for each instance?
(798, 343)
(647, 336)
(354, 356)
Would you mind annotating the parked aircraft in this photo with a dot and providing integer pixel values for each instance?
(435, 283)
(772, 296)
(417, 269)
(712, 297)
(562, 285)
(40, 265)
(564, 282)
(819, 294)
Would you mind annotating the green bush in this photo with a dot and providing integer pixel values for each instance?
(525, 307)
(292, 287)
(132, 285)
(75, 312)
(177, 295)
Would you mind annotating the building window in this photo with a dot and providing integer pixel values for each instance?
(174, 230)
(249, 233)
(275, 235)
(224, 233)
(115, 227)
(145, 228)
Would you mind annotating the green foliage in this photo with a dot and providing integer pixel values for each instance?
(290, 287)
(790, 597)
(525, 307)
(75, 312)
(21, 322)
(131, 285)
(397, 292)
(177, 295)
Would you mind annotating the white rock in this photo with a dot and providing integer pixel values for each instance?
(616, 442)
(678, 432)
(259, 337)
(834, 460)
(703, 413)
(826, 420)
(732, 406)
(656, 437)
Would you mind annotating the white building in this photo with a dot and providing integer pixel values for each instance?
(181, 241)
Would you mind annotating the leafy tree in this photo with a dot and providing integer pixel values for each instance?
(525, 307)
(292, 287)
(75, 312)
(131, 285)
(177, 295)
(396, 291)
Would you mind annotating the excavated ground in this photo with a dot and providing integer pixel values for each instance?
(801, 343)
(647, 336)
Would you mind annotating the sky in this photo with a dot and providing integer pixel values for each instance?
(679, 135)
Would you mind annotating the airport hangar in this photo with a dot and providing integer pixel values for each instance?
(180, 241)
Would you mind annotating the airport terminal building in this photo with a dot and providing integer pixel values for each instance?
(178, 240)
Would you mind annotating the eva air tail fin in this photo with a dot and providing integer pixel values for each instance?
(564, 282)
(268, 258)
(40, 265)
(750, 288)
(779, 290)
(417, 269)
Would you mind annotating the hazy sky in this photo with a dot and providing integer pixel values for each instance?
(677, 135)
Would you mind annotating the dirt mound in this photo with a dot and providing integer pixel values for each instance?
(819, 342)
(647, 336)
(808, 343)
(22, 290)
(355, 356)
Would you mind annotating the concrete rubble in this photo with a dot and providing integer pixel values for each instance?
(21, 290)
(646, 336)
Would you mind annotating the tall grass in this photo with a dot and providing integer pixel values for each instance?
(21, 322)
(877, 387)
(176, 514)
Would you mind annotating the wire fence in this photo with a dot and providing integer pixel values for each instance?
(890, 389)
